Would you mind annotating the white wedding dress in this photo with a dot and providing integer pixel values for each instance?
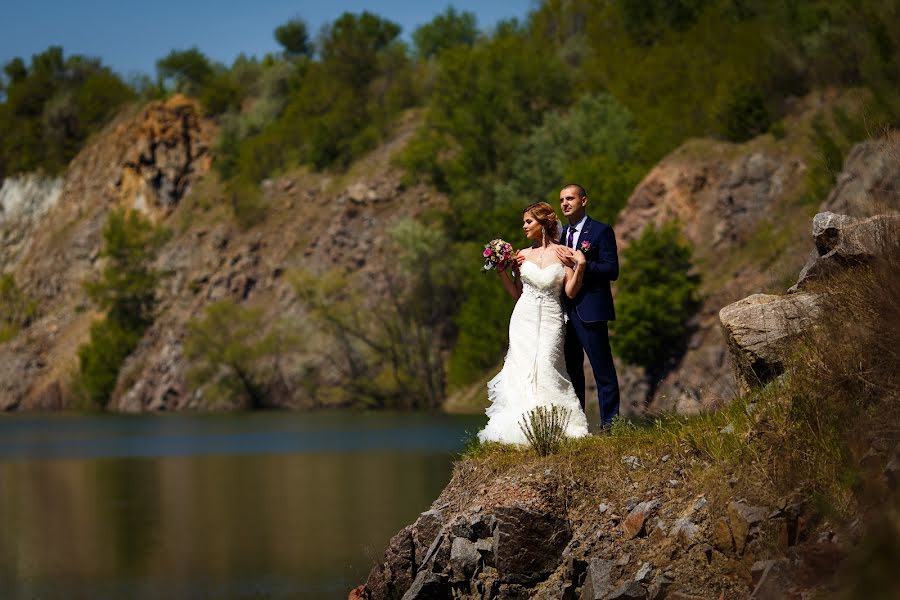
(534, 373)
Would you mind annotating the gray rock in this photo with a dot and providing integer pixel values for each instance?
(597, 582)
(869, 181)
(774, 580)
(644, 573)
(424, 531)
(658, 588)
(427, 586)
(518, 558)
(843, 242)
(461, 527)
(394, 575)
(742, 519)
(760, 329)
(633, 524)
(630, 590)
(464, 559)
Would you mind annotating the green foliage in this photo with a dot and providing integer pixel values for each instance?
(545, 428)
(235, 349)
(657, 295)
(596, 143)
(16, 309)
(484, 98)
(324, 113)
(391, 353)
(744, 115)
(126, 288)
(191, 72)
(126, 291)
(186, 71)
(50, 107)
(294, 38)
(101, 359)
(448, 29)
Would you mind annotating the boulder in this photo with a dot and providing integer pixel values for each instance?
(427, 586)
(597, 581)
(517, 557)
(842, 241)
(464, 558)
(742, 519)
(869, 181)
(394, 575)
(633, 525)
(759, 331)
(425, 531)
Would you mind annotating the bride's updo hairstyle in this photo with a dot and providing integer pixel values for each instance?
(544, 214)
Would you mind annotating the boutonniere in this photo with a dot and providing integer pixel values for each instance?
(585, 247)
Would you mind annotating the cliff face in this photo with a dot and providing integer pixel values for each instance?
(740, 206)
(155, 161)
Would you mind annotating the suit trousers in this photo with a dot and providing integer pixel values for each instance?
(592, 338)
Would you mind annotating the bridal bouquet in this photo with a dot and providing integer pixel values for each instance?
(497, 255)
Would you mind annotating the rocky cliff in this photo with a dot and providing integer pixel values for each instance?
(741, 206)
(156, 160)
(704, 508)
(737, 204)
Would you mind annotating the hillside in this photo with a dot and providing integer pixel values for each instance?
(157, 161)
(736, 203)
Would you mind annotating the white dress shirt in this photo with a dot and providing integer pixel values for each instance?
(577, 227)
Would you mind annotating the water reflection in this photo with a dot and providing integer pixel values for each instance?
(297, 525)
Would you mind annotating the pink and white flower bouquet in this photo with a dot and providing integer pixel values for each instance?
(498, 254)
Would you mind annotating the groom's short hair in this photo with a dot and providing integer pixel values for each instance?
(578, 188)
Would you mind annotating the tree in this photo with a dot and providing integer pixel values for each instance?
(350, 47)
(188, 70)
(294, 38)
(657, 295)
(51, 107)
(126, 291)
(236, 349)
(446, 30)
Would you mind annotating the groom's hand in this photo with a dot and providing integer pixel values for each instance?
(566, 256)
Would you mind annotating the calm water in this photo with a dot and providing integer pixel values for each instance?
(273, 505)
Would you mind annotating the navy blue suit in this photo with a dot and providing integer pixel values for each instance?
(588, 315)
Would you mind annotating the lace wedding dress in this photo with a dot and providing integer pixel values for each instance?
(534, 373)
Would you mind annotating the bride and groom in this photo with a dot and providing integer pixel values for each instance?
(563, 303)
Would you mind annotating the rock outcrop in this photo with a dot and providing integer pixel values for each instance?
(152, 160)
(761, 329)
(515, 537)
(734, 205)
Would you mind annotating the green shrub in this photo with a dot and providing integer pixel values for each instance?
(16, 309)
(49, 108)
(126, 291)
(744, 115)
(545, 428)
(657, 295)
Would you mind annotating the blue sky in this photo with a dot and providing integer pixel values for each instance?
(130, 36)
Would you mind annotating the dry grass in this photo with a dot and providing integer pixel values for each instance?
(808, 437)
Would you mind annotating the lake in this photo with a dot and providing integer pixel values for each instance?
(235, 506)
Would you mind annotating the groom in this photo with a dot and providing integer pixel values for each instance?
(592, 308)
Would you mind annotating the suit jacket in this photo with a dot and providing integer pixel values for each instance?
(594, 301)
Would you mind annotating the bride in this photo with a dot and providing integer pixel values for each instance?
(534, 373)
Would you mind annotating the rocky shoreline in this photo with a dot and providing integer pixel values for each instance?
(657, 524)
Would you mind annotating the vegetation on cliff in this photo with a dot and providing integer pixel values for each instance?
(584, 91)
(126, 293)
(792, 489)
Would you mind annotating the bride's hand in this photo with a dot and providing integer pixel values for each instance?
(519, 259)
(579, 259)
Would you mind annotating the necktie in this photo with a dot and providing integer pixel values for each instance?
(571, 237)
